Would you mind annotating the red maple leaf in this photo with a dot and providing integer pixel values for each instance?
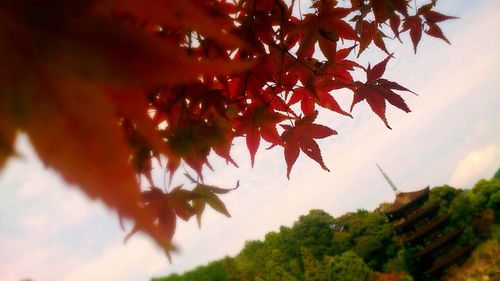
(376, 91)
(260, 122)
(301, 137)
(414, 24)
(325, 27)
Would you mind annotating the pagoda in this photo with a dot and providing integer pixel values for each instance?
(417, 223)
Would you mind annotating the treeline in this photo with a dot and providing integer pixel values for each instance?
(356, 246)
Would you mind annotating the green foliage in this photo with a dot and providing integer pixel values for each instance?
(497, 175)
(313, 269)
(445, 194)
(400, 263)
(468, 210)
(230, 268)
(214, 271)
(276, 272)
(486, 194)
(348, 267)
(341, 241)
(314, 232)
(368, 234)
(354, 246)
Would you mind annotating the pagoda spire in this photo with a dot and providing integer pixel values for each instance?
(393, 186)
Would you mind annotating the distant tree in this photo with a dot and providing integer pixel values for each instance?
(486, 194)
(232, 271)
(497, 175)
(313, 231)
(214, 271)
(341, 242)
(368, 246)
(369, 234)
(348, 267)
(314, 270)
(402, 262)
(445, 194)
(171, 277)
(276, 272)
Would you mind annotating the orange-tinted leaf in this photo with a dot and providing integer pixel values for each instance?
(7, 127)
(133, 105)
(87, 147)
(152, 195)
(167, 222)
(97, 46)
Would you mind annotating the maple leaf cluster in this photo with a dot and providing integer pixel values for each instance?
(104, 88)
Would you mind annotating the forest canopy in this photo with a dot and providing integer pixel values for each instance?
(356, 246)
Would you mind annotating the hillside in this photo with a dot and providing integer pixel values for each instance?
(356, 246)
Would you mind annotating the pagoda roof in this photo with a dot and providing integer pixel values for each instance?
(416, 217)
(403, 199)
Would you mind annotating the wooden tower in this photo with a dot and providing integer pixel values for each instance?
(418, 223)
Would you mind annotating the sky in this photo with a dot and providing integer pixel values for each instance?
(50, 231)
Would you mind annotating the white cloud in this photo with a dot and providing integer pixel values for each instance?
(479, 163)
(39, 214)
(137, 260)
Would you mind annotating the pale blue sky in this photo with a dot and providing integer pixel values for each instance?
(49, 231)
